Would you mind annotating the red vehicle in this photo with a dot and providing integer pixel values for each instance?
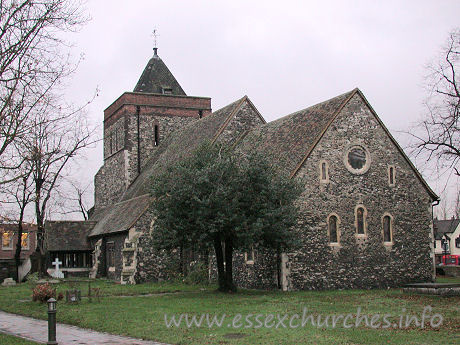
(450, 259)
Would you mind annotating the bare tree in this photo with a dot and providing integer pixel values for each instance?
(55, 140)
(18, 196)
(73, 199)
(34, 59)
(439, 137)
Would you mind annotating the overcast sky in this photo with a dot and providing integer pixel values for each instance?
(285, 55)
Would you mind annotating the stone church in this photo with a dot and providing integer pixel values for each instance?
(366, 212)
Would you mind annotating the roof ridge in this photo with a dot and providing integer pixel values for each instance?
(229, 117)
(314, 105)
(337, 111)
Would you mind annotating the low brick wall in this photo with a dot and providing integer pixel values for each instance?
(451, 271)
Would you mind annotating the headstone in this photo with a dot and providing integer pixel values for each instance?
(8, 282)
(57, 272)
(73, 296)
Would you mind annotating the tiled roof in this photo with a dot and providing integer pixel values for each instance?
(287, 139)
(121, 216)
(68, 235)
(156, 77)
(442, 227)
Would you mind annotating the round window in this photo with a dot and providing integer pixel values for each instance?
(357, 159)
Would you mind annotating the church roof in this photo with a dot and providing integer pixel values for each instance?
(287, 139)
(290, 140)
(68, 235)
(121, 216)
(157, 78)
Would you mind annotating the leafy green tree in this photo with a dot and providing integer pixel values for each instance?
(226, 201)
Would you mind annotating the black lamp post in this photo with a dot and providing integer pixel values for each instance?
(52, 322)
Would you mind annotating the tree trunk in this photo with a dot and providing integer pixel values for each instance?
(229, 286)
(17, 254)
(220, 263)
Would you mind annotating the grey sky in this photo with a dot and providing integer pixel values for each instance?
(285, 55)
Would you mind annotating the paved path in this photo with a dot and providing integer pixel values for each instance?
(37, 330)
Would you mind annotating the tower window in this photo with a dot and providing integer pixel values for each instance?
(200, 113)
(167, 91)
(156, 137)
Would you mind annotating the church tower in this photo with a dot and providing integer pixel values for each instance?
(137, 124)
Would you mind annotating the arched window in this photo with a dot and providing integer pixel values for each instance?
(324, 171)
(391, 175)
(333, 230)
(387, 225)
(360, 215)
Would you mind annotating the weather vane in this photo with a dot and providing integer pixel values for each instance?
(155, 37)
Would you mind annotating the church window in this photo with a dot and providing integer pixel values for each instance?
(333, 229)
(156, 137)
(357, 159)
(391, 175)
(360, 216)
(249, 257)
(324, 171)
(387, 224)
(7, 240)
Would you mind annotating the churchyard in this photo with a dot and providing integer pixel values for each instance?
(139, 311)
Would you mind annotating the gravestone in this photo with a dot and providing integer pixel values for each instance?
(57, 272)
(73, 296)
(8, 282)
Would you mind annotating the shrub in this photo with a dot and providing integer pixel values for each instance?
(32, 277)
(43, 292)
(198, 274)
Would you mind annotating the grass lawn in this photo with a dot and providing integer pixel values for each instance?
(143, 316)
(10, 340)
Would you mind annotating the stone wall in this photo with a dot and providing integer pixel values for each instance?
(132, 118)
(245, 119)
(110, 182)
(361, 262)
(118, 240)
(358, 261)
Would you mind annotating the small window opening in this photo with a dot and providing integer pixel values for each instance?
(200, 113)
(156, 138)
(360, 220)
(387, 229)
(391, 175)
(333, 236)
(167, 91)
